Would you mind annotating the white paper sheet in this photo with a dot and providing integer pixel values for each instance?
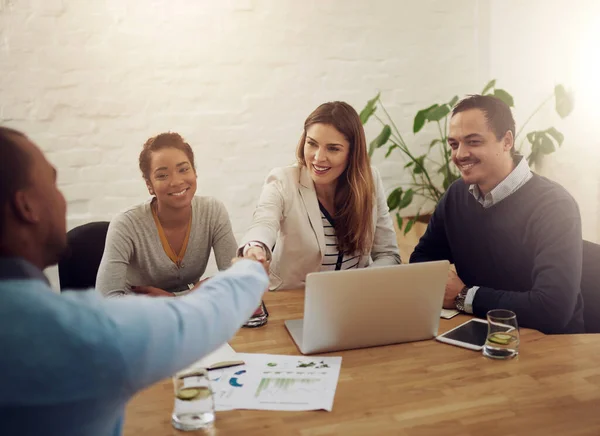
(222, 356)
(276, 382)
(449, 313)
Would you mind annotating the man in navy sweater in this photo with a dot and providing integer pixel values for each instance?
(514, 236)
(70, 362)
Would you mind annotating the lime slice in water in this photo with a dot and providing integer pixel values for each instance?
(500, 338)
(203, 393)
(188, 394)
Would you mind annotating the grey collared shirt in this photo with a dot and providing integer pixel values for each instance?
(520, 175)
(517, 178)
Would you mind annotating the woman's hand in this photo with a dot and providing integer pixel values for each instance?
(264, 263)
(151, 291)
(258, 254)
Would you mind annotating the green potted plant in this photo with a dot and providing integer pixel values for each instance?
(432, 175)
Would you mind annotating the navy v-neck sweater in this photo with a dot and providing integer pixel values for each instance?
(523, 252)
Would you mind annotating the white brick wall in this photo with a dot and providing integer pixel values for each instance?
(90, 81)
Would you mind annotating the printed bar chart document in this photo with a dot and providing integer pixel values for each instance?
(275, 382)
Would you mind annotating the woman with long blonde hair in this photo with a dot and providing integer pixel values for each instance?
(326, 212)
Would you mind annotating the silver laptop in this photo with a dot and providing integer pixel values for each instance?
(370, 306)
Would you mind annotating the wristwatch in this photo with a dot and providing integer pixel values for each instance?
(459, 301)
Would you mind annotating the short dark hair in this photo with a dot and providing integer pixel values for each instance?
(497, 113)
(159, 142)
(14, 168)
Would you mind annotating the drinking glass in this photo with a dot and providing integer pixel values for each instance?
(259, 317)
(503, 335)
(194, 407)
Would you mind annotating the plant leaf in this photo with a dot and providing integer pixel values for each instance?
(406, 199)
(383, 137)
(533, 157)
(419, 164)
(504, 96)
(369, 109)
(435, 141)
(410, 164)
(535, 139)
(394, 198)
(418, 215)
(546, 144)
(489, 86)
(438, 113)
(387, 154)
(421, 117)
(371, 149)
(558, 137)
(399, 221)
(409, 225)
(564, 101)
(453, 101)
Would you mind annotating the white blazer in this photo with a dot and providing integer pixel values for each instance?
(288, 218)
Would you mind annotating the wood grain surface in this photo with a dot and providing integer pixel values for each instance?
(419, 388)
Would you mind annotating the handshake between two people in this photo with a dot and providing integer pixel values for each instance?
(259, 254)
(254, 253)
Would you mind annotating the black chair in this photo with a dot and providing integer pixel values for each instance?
(78, 268)
(590, 286)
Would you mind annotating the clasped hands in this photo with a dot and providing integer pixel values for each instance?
(453, 287)
(254, 253)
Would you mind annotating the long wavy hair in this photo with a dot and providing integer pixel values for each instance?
(355, 190)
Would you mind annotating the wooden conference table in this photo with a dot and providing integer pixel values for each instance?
(419, 388)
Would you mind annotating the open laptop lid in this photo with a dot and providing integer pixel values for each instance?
(372, 306)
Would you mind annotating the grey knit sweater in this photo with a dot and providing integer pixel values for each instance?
(135, 256)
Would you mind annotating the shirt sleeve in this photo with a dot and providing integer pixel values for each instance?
(469, 298)
(118, 250)
(268, 214)
(78, 346)
(434, 245)
(159, 336)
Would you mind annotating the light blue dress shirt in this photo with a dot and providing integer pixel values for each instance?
(70, 362)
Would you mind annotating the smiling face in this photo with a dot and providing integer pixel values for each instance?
(326, 152)
(172, 178)
(481, 158)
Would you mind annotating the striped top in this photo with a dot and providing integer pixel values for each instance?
(333, 260)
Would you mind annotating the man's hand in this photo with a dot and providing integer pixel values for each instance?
(265, 265)
(258, 254)
(255, 256)
(453, 287)
(151, 291)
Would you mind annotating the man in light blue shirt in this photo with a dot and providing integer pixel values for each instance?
(70, 362)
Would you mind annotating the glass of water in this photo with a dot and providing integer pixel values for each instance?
(194, 404)
(503, 335)
(259, 317)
